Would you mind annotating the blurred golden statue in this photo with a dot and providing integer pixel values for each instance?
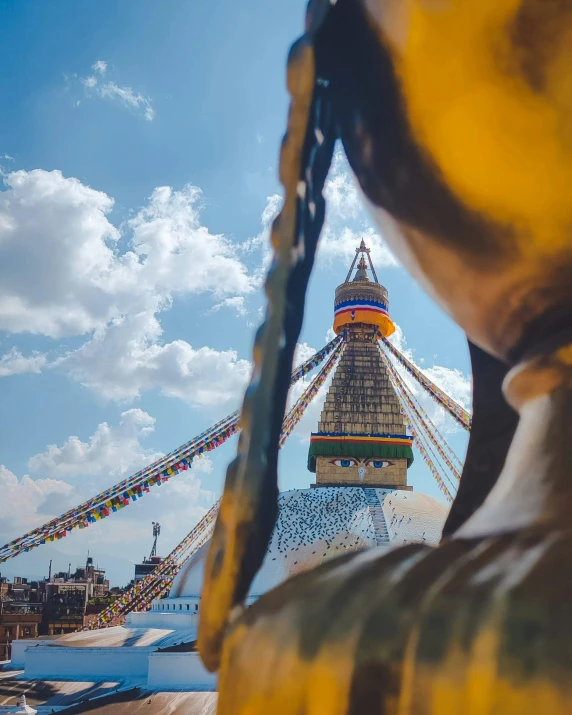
(456, 117)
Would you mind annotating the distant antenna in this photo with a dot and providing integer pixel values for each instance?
(156, 532)
(50, 571)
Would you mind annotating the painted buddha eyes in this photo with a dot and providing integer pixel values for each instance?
(378, 463)
(351, 462)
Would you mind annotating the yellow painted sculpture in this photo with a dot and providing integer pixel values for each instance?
(456, 117)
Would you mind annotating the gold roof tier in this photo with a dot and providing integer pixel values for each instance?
(362, 301)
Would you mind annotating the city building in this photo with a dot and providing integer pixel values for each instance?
(146, 567)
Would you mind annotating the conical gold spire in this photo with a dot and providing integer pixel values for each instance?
(361, 438)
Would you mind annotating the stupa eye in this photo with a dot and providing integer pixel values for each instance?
(350, 462)
(378, 463)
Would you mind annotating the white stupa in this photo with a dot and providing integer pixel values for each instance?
(315, 525)
(361, 499)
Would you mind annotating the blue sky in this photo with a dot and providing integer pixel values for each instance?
(139, 146)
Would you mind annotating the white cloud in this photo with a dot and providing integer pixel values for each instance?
(302, 353)
(126, 358)
(261, 242)
(346, 220)
(341, 192)
(56, 255)
(126, 96)
(61, 273)
(309, 421)
(89, 82)
(110, 451)
(178, 254)
(14, 363)
(452, 381)
(342, 243)
(345, 225)
(330, 335)
(21, 498)
(106, 457)
(100, 67)
(236, 303)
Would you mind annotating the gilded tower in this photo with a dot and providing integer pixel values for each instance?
(361, 438)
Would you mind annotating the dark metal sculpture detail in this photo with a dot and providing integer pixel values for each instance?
(249, 504)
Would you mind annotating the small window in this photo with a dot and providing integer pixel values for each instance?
(196, 606)
(27, 631)
(188, 606)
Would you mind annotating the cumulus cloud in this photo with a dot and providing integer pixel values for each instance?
(14, 363)
(126, 358)
(21, 499)
(176, 253)
(61, 274)
(345, 225)
(342, 243)
(346, 220)
(330, 335)
(302, 353)
(66, 475)
(56, 255)
(110, 451)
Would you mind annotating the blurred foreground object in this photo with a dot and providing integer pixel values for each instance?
(456, 117)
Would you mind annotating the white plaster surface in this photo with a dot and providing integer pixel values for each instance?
(19, 648)
(59, 662)
(413, 517)
(179, 671)
(315, 525)
(118, 651)
(162, 620)
(124, 637)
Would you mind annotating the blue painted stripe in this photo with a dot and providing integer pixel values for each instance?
(353, 434)
(353, 303)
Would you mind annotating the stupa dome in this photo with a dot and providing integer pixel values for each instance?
(317, 524)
